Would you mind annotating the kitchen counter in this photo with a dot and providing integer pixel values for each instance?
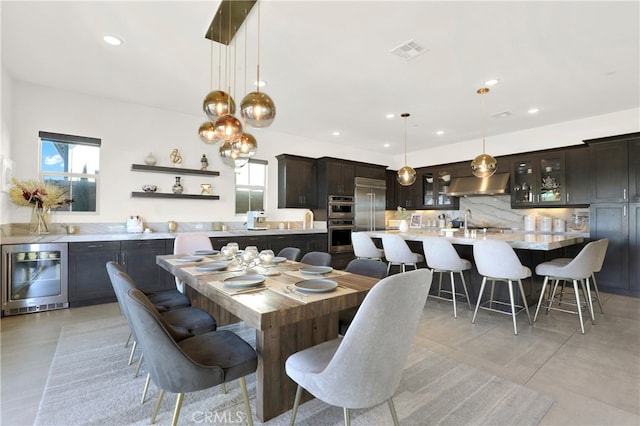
(518, 240)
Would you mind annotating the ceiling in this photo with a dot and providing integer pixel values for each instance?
(328, 64)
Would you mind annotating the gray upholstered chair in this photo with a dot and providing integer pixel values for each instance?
(192, 364)
(291, 253)
(364, 248)
(397, 252)
(317, 258)
(442, 257)
(187, 244)
(368, 267)
(364, 368)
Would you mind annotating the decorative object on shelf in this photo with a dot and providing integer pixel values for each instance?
(42, 197)
(205, 189)
(172, 226)
(175, 157)
(406, 175)
(204, 162)
(177, 187)
(150, 159)
(149, 188)
(483, 165)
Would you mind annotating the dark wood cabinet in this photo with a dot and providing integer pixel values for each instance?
(391, 201)
(335, 177)
(610, 170)
(305, 242)
(89, 282)
(634, 170)
(435, 183)
(371, 171)
(538, 180)
(138, 258)
(296, 181)
(577, 176)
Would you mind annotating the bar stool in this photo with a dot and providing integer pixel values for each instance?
(397, 252)
(579, 269)
(442, 257)
(497, 261)
(364, 248)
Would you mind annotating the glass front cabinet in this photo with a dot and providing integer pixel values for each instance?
(435, 185)
(538, 181)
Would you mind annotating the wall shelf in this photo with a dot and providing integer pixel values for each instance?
(173, 170)
(168, 195)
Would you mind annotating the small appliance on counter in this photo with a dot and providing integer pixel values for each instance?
(134, 224)
(256, 219)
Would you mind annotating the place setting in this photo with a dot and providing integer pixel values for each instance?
(240, 284)
(306, 272)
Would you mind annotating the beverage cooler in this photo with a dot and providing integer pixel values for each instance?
(34, 278)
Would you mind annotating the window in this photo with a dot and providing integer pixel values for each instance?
(72, 162)
(251, 186)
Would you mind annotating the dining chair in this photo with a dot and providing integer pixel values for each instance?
(364, 368)
(364, 248)
(497, 261)
(291, 253)
(577, 270)
(442, 257)
(316, 258)
(188, 243)
(369, 268)
(397, 252)
(192, 364)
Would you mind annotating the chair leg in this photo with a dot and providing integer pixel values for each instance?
(524, 301)
(453, 295)
(296, 402)
(139, 365)
(439, 282)
(146, 388)
(388, 268)
(552, 294)
(544, 285)
(475, 311)
(464, 286)
(157, 407)
(176, 411)
(133, 350)
(394, 415)
(493, 286)
(128, 340)
(245, 397)
(575, 290)
(404, 268)
(224, 388)
(347, 420)
(513, 307)
(595, 288)
(585, 283)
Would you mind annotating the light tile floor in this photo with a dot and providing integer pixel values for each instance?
(593, 378)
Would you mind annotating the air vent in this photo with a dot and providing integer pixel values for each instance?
(408, 50)
(503, 114)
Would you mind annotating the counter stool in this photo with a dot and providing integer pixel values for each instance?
(579, 269)
(442, 257)
(364, 248)
(497, 261)
(397, 252)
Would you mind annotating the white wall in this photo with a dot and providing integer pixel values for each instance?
(6, 110)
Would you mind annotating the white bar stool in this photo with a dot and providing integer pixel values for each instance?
(364, 248)
(497, 261)
(397, 252)
(442, 257)
(579, 269)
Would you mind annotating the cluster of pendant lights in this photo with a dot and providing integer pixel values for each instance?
(257, 110)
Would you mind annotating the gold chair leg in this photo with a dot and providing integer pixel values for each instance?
(146, 388)
(157, 407)
(347, 420)
(296, 402)
(128, 340)
(394, 415)
(245, 396)
(176, 411)
(224, 388)
(138, 367)
(133, 350)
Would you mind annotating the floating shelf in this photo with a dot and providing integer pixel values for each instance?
(173, 170)
(168, 195)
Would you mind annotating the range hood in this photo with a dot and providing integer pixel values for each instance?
(492, 185)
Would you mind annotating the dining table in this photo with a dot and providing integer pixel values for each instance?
(291, 306)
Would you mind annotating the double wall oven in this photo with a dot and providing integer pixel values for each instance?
(341, 223)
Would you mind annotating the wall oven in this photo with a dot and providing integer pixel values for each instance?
(34, 278)
(341, 207)
(339, 232)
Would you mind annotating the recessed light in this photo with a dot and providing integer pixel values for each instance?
(533, 110)
(440, 132)
(260, 83)
(112, 40)
(491, 82)
(390, 115)
(336, 133)
(387, 145)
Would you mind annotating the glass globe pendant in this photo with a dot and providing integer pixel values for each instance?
(406, 175)
(258, 110)
(207, 133)
(230, 156)
(218, 103)
(484, 165)
(228, 128)
(246, 146)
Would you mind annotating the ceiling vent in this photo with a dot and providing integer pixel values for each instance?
(503, 114)
(408, 50)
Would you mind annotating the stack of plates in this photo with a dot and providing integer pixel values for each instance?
(316, 286)
(316, 270)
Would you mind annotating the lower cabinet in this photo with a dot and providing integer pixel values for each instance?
(139, 260)
(89, 283)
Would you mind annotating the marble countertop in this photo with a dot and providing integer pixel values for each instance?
(518, 240)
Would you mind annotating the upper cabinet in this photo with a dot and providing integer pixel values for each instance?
(435, 183)
(577, 176)
(335, 177)
(370, 171)
(538, 180)
(296, 181)
(391, 200)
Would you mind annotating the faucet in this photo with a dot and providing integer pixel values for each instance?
(467, 215)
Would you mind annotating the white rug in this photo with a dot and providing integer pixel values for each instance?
(90, 383)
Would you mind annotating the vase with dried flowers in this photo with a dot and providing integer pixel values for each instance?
(41, 197)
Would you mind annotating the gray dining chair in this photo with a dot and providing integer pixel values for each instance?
(192, 364)
(364, 368)
(291, 253)
(317, 258)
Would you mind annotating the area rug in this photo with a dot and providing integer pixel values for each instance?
(90, 383)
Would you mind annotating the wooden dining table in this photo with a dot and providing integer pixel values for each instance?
(285, 319)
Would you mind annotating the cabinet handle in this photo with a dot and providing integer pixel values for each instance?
(95, 246)
(567, 197)
(124, 258)
(624, 211)
(624, 194)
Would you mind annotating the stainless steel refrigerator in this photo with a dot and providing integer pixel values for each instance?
(370, 204)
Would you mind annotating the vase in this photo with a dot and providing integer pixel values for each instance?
(177, 187)
(150, 160)
(404, 226)
(40, 220)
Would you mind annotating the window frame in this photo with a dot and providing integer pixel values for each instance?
(237, 186)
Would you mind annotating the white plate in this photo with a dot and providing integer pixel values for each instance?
(205, 252)
(278, 259)
(212, 266)
(316, 286)
(316, 270)
(244, 281)
(189, 258)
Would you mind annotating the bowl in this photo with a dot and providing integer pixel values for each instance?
(149, 188)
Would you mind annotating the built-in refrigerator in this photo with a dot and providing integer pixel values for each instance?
(370, 197)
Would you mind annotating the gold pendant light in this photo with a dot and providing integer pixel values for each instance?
(483, 165)
(406, 175)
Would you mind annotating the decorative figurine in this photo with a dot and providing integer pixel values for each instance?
(175, 157)
(204, 163)
(205, 189)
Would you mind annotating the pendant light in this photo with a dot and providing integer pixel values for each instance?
(406, 175)
(483, 165)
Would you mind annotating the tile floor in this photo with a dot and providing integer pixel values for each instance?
(594, 378)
